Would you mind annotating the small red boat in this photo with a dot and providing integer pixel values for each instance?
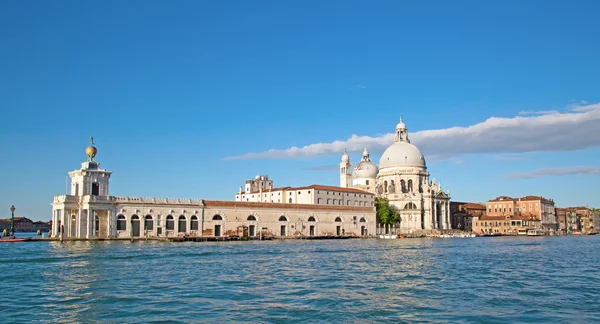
(12, 240)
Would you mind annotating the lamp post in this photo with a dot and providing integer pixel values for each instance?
(12, 220)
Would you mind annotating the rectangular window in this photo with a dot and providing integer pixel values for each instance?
(367, 182)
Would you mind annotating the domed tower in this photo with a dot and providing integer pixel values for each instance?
(365, 173)
(345, 171)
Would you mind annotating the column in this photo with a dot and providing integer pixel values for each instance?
(448, 214)
(108, 223)
(88, 227)
(443, 218)
(78, 223)
(434, 215)
(54, 221)
(65, 224)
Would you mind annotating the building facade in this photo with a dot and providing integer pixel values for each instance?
(309, 195)
(402, 178)
(462, 214)
(89, 211)
(528, 207)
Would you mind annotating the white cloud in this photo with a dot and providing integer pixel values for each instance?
(549, 172)
(576, 129)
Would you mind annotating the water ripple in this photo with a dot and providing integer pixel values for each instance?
(482, 280)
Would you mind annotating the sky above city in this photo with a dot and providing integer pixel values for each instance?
(191, 98)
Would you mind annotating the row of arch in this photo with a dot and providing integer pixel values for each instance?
(182, 221)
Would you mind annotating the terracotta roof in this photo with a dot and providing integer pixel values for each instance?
(228, 203)
(503, 198)
(313, 186)
(474, 206)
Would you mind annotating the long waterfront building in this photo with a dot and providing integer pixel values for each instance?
(89, 211)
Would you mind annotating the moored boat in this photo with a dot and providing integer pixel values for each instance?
(12, 240)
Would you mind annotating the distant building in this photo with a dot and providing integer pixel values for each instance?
(583, 219)
(260, 189)
(505, 225)
(561, 217)
(22, 224)
(530, 208)
(462, 214)
(42, 226)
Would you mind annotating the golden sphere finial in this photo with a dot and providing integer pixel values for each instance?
(91, 150)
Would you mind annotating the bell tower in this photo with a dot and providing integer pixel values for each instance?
(345, 171)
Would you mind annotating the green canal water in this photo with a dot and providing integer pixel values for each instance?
(460, 280)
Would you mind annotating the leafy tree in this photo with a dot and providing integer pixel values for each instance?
(386, 214)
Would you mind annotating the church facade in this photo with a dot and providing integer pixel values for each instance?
(403, 179)
(90, 212)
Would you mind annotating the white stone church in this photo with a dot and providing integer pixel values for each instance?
(403, 179)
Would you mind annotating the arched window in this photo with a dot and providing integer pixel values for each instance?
(318, 200)
(182, 224)
(410, 185)
(403, 185)
(341, 202)
(410, 205)
(337, 219)
(385, 186)
(328, 201)
(283, 219)
(347, 202)
(170, 223)
(148, 224)
(217, 218)
(360, 203)
(290, 200)
(311, 219)
(194, 223)
(121, 223)
(363, 220)
(335, 201)
(251, 218)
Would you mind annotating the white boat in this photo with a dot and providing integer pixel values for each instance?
(534, 232)
(388, 236)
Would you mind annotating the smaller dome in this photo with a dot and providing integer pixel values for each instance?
(345, 157)
(365, 170)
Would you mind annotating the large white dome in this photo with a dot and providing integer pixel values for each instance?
(402, 154)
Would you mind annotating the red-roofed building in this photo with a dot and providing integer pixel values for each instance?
(462, 214)
(261, 189)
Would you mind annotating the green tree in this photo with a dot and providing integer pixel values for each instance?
(386, 214)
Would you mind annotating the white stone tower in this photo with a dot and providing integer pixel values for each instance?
(345, 171)
(87, 211)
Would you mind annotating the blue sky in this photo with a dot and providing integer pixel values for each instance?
(186, 98)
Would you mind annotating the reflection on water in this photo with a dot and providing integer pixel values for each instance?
(549, 279)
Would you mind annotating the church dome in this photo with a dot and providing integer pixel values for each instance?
(402, 154)
(365, 170)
